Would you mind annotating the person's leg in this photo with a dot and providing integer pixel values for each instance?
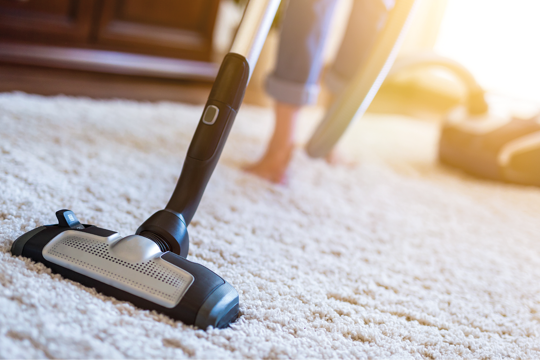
(294, 81)
(366, 19)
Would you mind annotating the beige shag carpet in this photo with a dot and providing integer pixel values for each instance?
(394, 257)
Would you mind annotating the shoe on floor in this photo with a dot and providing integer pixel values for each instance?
(494, 147)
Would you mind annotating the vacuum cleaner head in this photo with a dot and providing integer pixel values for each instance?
(132, 268)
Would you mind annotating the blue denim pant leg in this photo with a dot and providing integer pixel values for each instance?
(303, 35)
(366, 19)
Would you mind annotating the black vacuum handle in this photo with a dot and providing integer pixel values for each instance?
(211, 134)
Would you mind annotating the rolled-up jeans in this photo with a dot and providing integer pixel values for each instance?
(305, 28)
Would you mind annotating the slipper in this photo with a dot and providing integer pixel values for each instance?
(491, 146)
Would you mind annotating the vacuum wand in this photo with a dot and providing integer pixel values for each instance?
(211, 134)
(222, 106)
(253, 30)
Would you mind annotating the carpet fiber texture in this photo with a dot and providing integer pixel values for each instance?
(395, 256)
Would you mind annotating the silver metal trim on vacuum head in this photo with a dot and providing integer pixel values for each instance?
(132, 264)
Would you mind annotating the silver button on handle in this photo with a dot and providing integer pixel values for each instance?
(210, 115)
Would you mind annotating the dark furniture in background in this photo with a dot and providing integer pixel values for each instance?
(158, 38)
(46, 21)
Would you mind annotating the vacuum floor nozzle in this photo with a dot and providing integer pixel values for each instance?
(132, 268)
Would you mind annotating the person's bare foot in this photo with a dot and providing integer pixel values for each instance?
(272, 166)
(274, 163)
(336, 157)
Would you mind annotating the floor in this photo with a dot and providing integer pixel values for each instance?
(392, 256)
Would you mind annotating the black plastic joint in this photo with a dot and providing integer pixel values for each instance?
(168, 230)
(231, 81)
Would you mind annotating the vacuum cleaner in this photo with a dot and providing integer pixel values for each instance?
(150, 269)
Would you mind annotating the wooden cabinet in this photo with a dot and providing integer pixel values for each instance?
(172, 28)
(46, 21)
(86, 34)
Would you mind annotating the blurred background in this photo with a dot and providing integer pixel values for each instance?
(170, 49)
(496, 40)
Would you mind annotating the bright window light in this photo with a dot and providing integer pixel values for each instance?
(498, 40)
